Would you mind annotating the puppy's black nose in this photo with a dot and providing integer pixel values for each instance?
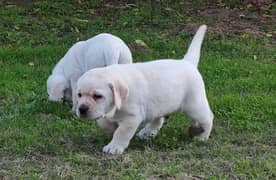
(83, 109)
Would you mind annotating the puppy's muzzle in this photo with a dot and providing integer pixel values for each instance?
(83, 109)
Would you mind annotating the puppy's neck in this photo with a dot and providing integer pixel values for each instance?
(110, 114)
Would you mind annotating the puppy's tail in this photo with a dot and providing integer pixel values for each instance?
(193, 53)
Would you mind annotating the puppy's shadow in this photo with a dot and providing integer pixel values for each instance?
(167, 138)
(94, 143)
(90, 143)
(171, 136)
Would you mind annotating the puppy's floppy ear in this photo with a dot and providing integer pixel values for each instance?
(120, 92)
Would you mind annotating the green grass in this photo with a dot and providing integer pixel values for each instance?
(42, 139)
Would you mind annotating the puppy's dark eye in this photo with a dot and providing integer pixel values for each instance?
(79, 95)
(97, 96)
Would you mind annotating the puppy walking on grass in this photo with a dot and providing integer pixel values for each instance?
(98, 51)
(121, 97)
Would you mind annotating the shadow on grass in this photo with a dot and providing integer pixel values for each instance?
(171, 136)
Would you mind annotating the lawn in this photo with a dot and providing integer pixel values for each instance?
(40, 139)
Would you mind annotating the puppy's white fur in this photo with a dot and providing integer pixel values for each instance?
(127, 95)
(98, 51)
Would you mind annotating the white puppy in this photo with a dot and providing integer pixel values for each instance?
(121, 97)
(98, 51)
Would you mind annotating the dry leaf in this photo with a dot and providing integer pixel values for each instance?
(141, 43)
(16, 27)
(81, 20)
(77, 30)
(267, 16)
(249, 6)
(268, 35)
(242, 15)
(244, 36)
(31, 64)
(10, 5)
(254, 57)
(168, 9)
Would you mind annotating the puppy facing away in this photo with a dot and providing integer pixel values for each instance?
(98, 51)
(121, 97)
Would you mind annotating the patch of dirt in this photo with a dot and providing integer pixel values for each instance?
(227, 19)
(223, 20)
(112, 8)
(253, 17)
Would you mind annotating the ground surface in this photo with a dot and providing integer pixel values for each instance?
(42, 140)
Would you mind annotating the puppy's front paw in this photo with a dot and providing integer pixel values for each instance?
(113, 149)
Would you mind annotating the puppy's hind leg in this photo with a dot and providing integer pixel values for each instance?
(151, 128)
(202, 117)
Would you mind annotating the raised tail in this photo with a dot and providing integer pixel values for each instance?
(193, 53)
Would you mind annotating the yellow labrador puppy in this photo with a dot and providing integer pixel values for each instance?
(98, 51)
(121, 97)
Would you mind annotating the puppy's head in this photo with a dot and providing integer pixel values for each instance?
(57, 87)
(99, 94)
